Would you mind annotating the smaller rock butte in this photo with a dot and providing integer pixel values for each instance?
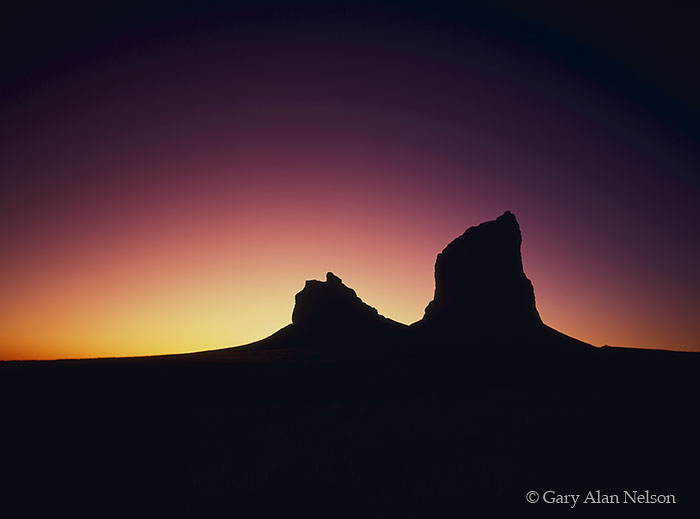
(331, 304)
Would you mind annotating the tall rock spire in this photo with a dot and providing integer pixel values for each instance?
(480, 282)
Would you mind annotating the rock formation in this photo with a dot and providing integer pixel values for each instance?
(480, 283)
(331, 306)
(482, 296)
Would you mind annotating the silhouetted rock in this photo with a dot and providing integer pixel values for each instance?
(482, 296)
(480, 283)
(330, 306)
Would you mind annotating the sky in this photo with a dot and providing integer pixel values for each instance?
(172, 172)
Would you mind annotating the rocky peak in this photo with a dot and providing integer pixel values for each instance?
(331, 304)
(480, 282)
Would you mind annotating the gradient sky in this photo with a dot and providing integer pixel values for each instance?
(172, 173)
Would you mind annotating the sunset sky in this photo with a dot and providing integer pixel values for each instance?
(173, 173)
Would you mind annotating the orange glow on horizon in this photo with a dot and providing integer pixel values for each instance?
(176, 290)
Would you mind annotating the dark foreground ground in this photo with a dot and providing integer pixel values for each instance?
(281, 434)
